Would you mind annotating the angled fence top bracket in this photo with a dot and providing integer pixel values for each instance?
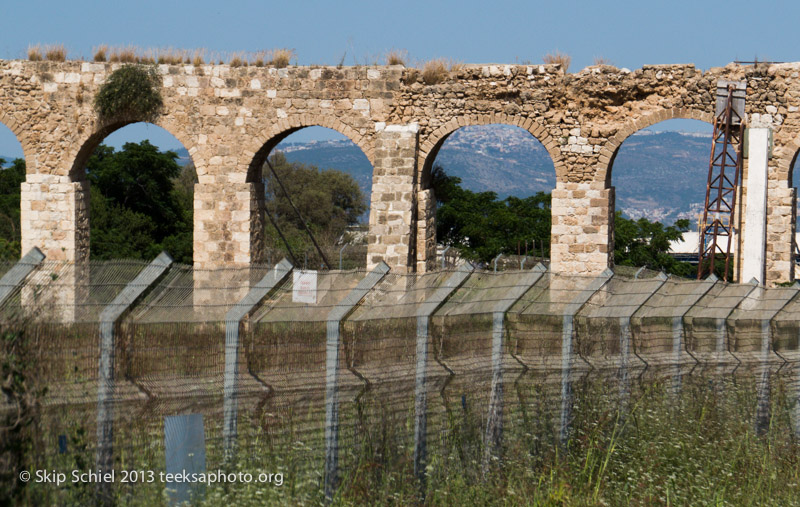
(17, 274)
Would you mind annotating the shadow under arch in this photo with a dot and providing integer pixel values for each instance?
(430, 146)
(611, 147)
(262, 145)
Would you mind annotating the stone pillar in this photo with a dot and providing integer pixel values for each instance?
(392, 216)
(581, 237)
(780, 233)
(228, 233)
(426, 231)
(754, 244)
(55, 218)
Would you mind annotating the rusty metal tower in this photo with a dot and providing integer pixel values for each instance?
(724, 169)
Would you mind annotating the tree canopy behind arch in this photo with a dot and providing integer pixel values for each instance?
(141, 203)
(328, 200)
(11, 178)
(481, 226)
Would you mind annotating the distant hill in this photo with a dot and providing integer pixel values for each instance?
(658, 175)
(662, 176)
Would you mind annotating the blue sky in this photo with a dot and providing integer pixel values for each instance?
(628, 33)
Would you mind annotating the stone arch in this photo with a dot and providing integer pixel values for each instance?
(788, 161)
(14, 126)
(609, 151)
(429, 147)
(91, 140)
(260, 146)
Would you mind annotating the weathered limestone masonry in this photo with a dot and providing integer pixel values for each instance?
(229, 118)
(392, 214)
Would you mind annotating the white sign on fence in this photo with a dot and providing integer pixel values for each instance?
(304, 287)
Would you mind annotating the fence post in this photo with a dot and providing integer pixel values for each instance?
(341, 251)
(723, 342)
(424, 312)
(336, 315)
(494, 420)
(109, 317)
(17, 274)
(625, 336)
(232, 344)
(567, 339)
(764, 386)
(678, 332)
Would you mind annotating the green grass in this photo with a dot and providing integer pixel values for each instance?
(695, 447)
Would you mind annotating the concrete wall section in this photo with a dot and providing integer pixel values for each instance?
(754, 246)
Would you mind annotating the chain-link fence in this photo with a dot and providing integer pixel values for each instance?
(326, 374)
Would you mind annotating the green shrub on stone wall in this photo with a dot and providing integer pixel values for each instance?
(131, 93)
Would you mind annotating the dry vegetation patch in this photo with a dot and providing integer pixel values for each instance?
(558, 58)
(396, 57)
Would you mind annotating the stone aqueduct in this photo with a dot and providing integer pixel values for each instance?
(229, 118)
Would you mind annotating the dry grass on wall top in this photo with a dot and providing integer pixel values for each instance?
(35, 53)
(436, 71)
(396, 57)
(601, 60)
(55, 53)
(280, 58)
(100, 53)
(559, 58)
(51, 52)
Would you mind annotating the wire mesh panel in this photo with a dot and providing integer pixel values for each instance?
(381, 333)
(170, 346)
(285, 352)
(786, 331)
(603, 324)
(70, 349)
(749, 325)
(383, 336)
(464, 322)
(537, 321)
(657, 326)
(169, 358)
(705, 322)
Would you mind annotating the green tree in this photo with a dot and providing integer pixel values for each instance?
(645, 243)
(481, 226)
(141, 203)
(11, 178)
(328, 200)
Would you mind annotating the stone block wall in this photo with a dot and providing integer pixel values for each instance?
(392, 217)
(55, 217)
(780, 234)
(426, 231)
(228, 233)
(581, 239)
(228, 224)
(230, 117)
